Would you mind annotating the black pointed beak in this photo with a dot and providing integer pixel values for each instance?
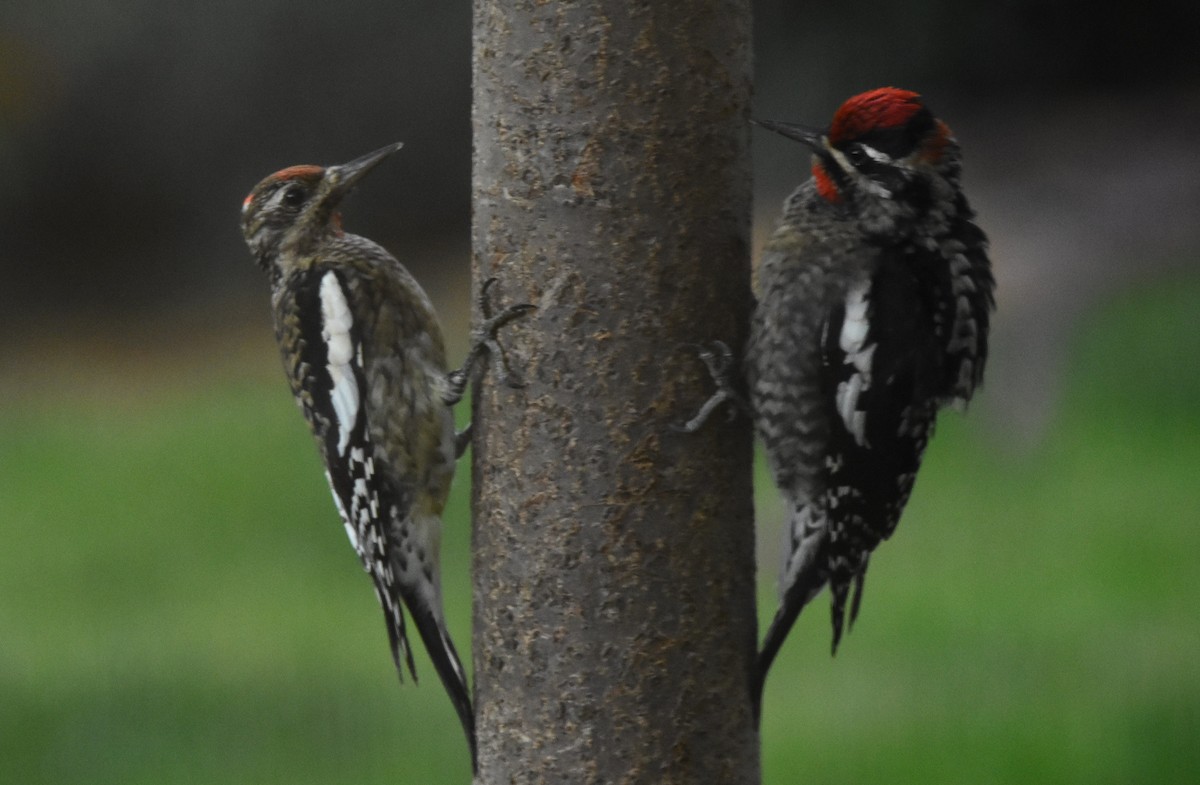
(812, 137)
(345, 176)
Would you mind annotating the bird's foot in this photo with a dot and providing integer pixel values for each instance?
(484, 342)
(718, 359)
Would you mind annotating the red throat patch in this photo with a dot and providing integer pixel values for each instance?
(885, 107)
(825, 185)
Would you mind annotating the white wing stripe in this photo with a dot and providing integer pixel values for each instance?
(336, 322)
(853, 341)
(854, 324)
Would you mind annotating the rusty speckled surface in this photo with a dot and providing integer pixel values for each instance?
(614, 570)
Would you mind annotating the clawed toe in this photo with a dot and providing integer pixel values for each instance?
(484, 341)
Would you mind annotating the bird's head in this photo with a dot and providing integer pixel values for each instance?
(299, 204)
(883, 144)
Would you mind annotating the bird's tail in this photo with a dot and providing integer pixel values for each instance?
(449, 668)
(803, 576)
(793, 601)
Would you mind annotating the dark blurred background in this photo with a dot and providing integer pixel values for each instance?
(138, 366)
(129, 132)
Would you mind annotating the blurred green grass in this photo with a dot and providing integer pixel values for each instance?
(178, 603)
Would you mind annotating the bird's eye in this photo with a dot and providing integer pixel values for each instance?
(857, 155)
(293, 196)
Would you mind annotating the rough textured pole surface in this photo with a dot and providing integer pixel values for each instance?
(614, 606)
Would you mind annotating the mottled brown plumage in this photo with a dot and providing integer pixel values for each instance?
(363, 353)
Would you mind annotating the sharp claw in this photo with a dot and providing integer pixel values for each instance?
(492, 324)
(484, 341)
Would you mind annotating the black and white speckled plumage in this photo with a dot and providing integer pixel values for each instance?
(363, 353)
(874, 299)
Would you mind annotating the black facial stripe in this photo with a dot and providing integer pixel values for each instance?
(833, 169)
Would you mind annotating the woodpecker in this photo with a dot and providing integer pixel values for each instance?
(363, 352)
(874, 297)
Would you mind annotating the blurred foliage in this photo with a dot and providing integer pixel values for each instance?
(178, 603)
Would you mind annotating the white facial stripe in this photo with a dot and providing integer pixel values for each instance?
(864, 182)
(876, 155)
(842, 161)
(336, 321)
(874, 187)
(277, 197)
